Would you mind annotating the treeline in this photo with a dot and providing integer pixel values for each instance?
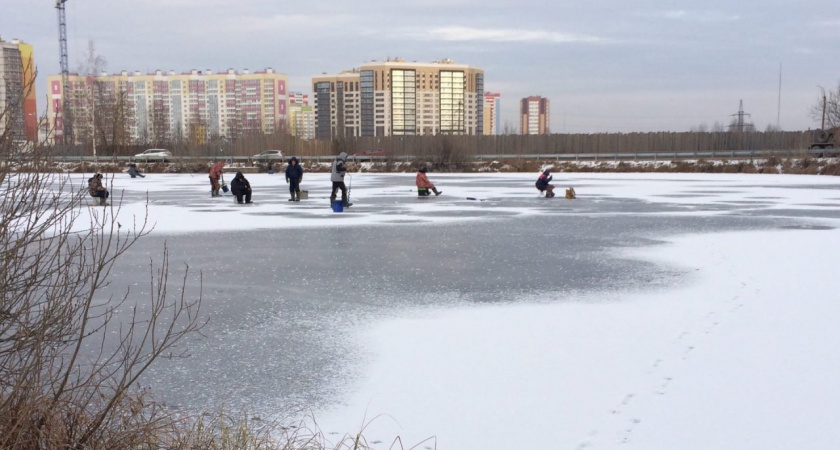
(603, 143)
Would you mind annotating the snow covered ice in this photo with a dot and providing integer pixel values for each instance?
(656, 311)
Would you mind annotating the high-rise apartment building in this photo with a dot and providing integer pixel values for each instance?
(298, 98)
(18, 108)
(169, 106)
(492, 103)
(534, 115)
(301, 116)
(398, 98)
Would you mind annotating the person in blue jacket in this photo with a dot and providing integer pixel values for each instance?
(294, 175)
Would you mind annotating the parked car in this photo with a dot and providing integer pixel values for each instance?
(154, 154)
(368, 155)
(269, 154)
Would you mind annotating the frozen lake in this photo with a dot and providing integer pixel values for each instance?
(508, 321)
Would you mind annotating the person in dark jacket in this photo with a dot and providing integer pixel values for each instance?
(134, 171)
(97, 190)
(339, 169)
(294, 175)
(240, 187)
(543, 183)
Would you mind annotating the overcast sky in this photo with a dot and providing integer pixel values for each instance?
(606, 65)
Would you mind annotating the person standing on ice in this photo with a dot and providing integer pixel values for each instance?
(215, 175)
(339, 169)
(543, 183)
(423, 184)
(294, 175)
(97, 190)
(240, 187)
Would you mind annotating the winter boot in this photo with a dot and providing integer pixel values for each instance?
(437, 192)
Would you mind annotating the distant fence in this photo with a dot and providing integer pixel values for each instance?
(634, 156)
(604, 145)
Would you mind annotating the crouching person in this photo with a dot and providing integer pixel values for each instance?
(424, 185)
(543, 183)
(241, 188)
(134, 171)
(97, 190)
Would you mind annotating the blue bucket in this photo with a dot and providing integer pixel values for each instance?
(338, 206)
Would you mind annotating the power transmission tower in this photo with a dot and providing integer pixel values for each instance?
(739, 124)
(66, 119)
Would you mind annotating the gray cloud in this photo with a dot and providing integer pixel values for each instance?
(606, 65)
(463, 33)
(693, 16)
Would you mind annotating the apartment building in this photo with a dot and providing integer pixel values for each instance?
(399, 98)
(492, 102)
(534, 115)
(168, 106)
(301, 116)
(18, 108)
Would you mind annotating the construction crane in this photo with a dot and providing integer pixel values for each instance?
(66, 119)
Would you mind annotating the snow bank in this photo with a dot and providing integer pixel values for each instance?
(743, 357)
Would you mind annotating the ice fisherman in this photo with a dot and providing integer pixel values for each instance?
(97, 190)
(215, 175)
(543, 183)
(240, 187)
(134, 171)
(294, 175)
(339, 169)
(423, 184)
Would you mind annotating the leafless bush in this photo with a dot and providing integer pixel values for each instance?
(54, 391)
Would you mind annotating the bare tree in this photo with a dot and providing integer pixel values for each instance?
(827, 109)
(107, 114)
(54, 391)
(69, 359)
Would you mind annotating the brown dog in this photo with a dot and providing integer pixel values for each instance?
(570, 193)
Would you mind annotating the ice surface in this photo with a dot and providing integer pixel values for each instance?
(657, 311)
(182, 203)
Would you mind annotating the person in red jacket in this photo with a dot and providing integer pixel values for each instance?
(423, 184)
(215, 175)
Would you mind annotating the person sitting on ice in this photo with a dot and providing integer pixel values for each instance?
(134, 171)
(423, 184)
(97, 190)
(543, 183)
(240, 187)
